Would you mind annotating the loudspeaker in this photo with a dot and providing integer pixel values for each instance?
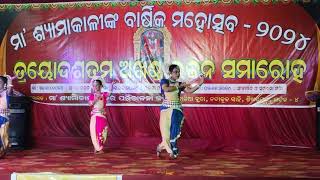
(19, 107)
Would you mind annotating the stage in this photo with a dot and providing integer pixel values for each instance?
(142, 163)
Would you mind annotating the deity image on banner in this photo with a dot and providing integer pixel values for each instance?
(152, 46)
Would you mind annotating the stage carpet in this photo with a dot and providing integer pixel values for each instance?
(134, 163)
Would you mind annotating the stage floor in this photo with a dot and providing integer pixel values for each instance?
(279, 163)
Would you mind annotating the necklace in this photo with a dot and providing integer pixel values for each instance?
(171, 80)
(97, 93)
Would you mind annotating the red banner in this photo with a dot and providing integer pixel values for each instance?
(251, 55)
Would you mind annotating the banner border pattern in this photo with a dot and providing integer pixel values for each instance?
(103, 4)
(185, 105)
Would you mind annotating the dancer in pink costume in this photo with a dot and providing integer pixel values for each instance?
(98, 120)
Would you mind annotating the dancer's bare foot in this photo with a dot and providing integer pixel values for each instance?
(158, 151)
(173, 156)
(98, 152)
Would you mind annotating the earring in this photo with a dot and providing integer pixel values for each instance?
(5, 86)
